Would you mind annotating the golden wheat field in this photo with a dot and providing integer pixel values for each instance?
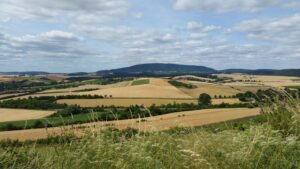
(185, 77)
(125, 102)
(257, 80)
(209, 88)
(22, 114)
(157, 88)
(162, 122)
(6, 78)
(9, 95)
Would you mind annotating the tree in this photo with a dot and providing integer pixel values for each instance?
(204, 99)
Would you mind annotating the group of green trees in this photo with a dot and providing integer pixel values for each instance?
(44, 102)
(32, 103)
(181, 84)
(268, 95)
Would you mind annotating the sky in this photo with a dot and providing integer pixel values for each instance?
(92, 35)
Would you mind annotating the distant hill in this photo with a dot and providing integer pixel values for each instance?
(25, 73)
(283, 72)
(78, 74)
(162, 69)
(159, 68)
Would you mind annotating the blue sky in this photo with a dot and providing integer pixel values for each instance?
(91, 35)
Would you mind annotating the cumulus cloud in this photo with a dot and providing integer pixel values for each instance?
(283, 31)
(84, 11)
(179, 47)
(49, 44)
(224, 6)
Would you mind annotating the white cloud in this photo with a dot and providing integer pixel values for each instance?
(199, 31)
(49, 44)
(224, 6)
(283, 31)
(172, 46)
(139, 15)
(84, 11)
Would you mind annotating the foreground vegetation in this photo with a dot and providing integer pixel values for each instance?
(268, 141)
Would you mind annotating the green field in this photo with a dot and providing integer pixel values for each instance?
(140, 82)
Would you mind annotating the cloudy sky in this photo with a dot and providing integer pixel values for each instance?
(91, 35)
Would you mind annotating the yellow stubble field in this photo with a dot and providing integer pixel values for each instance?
(22, 114)
(210, 88)
(156, 123)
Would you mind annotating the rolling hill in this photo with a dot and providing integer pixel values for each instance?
(159, 68)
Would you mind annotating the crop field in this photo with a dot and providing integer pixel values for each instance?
(246, 87)
(152, 88)
(229, 101)
(140, 82)
(269, 81)
(209, 88)
(185, 77)
(9, 95)
(21, 114)
(8, 78)
(125, 102)
(162, 122)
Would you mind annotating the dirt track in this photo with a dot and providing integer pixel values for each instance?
(184, 119)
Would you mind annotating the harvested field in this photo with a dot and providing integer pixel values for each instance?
(125, 102)
(163, 122)
(22, 114)
(270, 81)
(245, 88)
(69, 90)
(158, 88)
(186, 77)
(229, 101)
(72, 90)
(9, 95)
(209, 88)
(6, 78)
